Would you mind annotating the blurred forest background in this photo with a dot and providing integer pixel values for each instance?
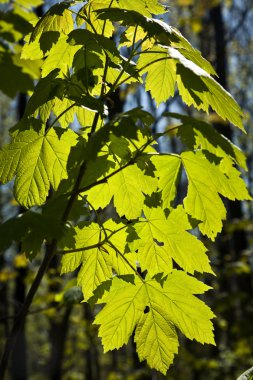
(58, 340)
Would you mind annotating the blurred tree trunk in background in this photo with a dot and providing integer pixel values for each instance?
(19, 356)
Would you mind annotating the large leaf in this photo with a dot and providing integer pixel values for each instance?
(155, 309)
(38, 159)
(95, 42)
(195, 85)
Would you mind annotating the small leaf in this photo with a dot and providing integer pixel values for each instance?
(168, 170)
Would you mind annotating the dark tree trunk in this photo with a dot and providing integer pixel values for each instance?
(59, 325)
(18, 367)
(58, 335)
(239, 240)
(92, 365)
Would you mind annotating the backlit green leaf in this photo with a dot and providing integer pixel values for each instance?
(38, 159)
(58, 18)
(161, 73)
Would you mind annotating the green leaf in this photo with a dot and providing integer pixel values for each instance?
(127, 188)
(99, 196)
(95, 270)
(161, 73)
(59, 108)
(94, 262)
(93, 251)
(117, 320)
(154, 310)
(13, 79)
(85, 37)
(206, 181)
(197, 134)
(47, 89)
(187, 312)
(154, 28)
(58, 18)
(31, 50)
(38, 159)
(195, 56)
(199, 89)
(144, 7)
(31, 229)
(168, 170)
(203, 201)
(121, 262)
(13, 26)
(60, 57)
(102, 27)
(163, 239)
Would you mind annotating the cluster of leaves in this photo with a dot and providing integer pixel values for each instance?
(113, 206)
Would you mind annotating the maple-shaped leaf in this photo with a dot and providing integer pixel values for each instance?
(58, 18)
(170, 305)
(95, 267)
(161, 73)
(97, 249)
(128, 187)
(155, 309)
(60, 57)
(187, 312)
(95, 42)
(206, 182)
(198, 134)
(163, 239)
(125, 304)
(38, 159)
